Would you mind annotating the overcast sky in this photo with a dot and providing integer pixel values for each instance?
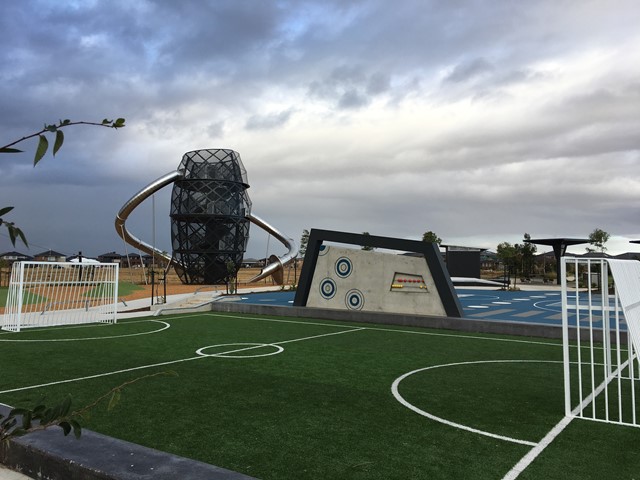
(478, 120)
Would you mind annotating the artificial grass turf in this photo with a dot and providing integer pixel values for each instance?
(321, 409)
(29, 298)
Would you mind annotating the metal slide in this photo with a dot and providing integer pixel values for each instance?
(168, 179)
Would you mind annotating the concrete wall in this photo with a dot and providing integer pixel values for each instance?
(353, 279)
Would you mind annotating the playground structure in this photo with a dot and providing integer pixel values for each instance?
(346, 278)
(210, 216)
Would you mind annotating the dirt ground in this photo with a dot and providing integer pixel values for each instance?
(175, 286)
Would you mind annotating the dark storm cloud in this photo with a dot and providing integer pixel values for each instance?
(389, 117)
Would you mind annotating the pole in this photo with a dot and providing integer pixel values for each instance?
(80, 269)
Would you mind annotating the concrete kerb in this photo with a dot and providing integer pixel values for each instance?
(49, 455)
(468, 325)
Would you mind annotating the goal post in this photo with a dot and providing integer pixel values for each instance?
(60, 293)
(601, 339)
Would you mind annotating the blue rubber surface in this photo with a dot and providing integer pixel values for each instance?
(540, 307)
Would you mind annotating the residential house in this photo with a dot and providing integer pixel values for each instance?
(10, 257)
(50, 256)
(111, 257)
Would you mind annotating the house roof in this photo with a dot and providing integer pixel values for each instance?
(49, 253)
(111, 255)
(629, 256)
(14, 254)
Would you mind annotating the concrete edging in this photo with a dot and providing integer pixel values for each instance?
(469, 325)
(49, 455)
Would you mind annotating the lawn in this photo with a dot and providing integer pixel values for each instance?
(300, 399)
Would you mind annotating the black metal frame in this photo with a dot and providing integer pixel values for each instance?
(209, 216)
(443, 283)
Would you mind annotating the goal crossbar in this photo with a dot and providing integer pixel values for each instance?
(60, 293)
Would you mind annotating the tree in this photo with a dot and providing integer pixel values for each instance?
(304, 241)
(598, 238)
(528, 250)
(367, 248)
(41, 150)
(511, 257)
(431, 237)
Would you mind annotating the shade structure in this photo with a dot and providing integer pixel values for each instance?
(209, 216)
(559, 248)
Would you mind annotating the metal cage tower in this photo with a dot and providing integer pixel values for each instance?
(209, 210)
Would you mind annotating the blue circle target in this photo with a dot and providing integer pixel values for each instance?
(327, 288)
(354, 299)
(343, 267)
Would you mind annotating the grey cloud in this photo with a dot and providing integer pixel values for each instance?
(216, 129)
(268, 121)
(466, 71)
(350, 87)
(352, 99)
(187, 72)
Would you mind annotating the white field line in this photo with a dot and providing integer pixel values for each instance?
(396, 393)
(82, 339)
(555, 431)
(171, 362)
(451, 335)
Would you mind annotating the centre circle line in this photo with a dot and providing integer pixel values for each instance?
(252, 346)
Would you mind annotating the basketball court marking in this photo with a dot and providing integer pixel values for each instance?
(400, 398)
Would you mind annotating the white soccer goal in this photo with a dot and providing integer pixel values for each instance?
(55, 293)
(601, 331)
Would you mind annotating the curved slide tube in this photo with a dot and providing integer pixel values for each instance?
(169, 178)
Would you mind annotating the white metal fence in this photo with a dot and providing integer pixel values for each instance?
(601, 330)
(47, 293)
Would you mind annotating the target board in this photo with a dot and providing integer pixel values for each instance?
(350, 278)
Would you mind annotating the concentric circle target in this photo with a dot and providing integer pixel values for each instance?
(327, 288)
(354, 299)
(343, 267)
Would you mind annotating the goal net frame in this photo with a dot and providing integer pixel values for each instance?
(601, 339)
(60, 293)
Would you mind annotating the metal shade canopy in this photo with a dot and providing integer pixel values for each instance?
(210, 215)
(559, 248)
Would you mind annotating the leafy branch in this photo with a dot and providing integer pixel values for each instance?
(41, 150)
(14, 232)
(43, 142)
(21, 421)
